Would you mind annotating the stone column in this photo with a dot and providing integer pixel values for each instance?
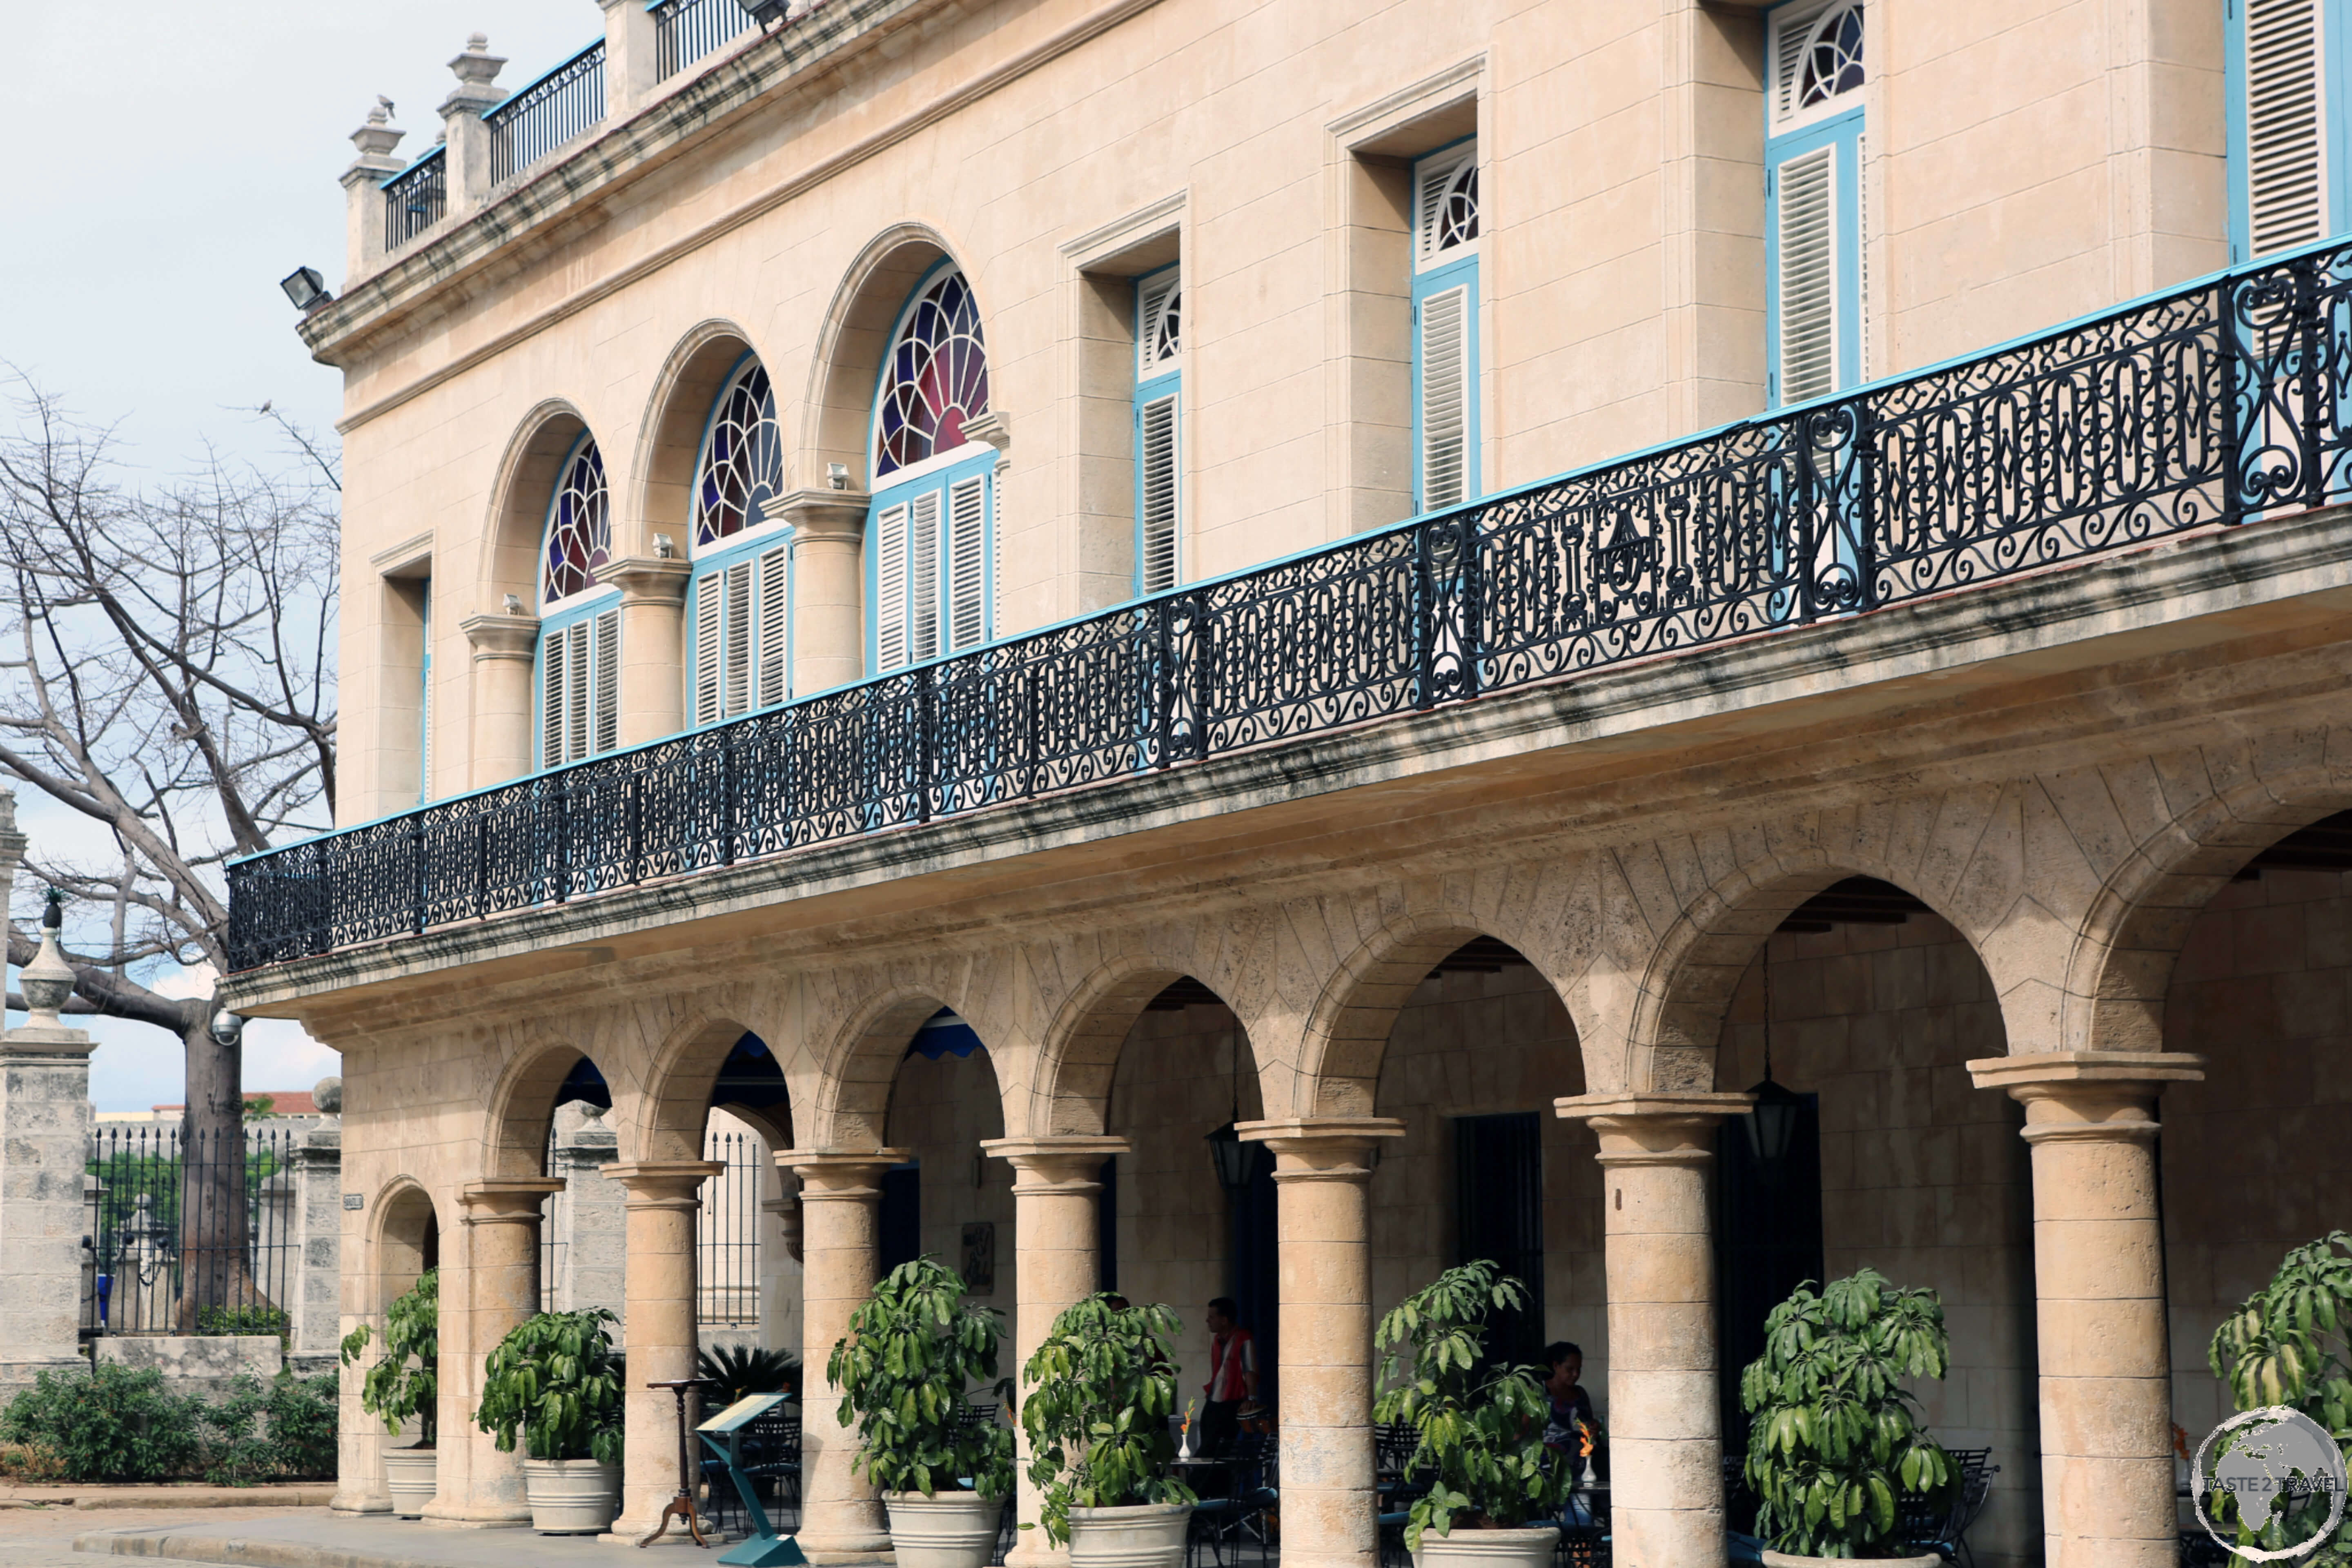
(45, 1130)
(317, 1286)
(665, 1200)
(505, 647)
(828, 588)
(2098, 1270)
(841, 1203)
(1057, 1261)
(468, 172)
(1665, 1431)
(363, 185)
(1322, 1174)
(652, 645)
(631, 70)
(501, 1219)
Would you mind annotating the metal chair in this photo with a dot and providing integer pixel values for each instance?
(1229, 1527)
(1941, 1525)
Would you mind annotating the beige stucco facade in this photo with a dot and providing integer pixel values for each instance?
(2065, 771)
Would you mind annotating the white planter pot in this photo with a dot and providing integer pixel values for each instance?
(1469, 1548)
(570, 1497)
(945, 1530)
(1148, 1535)
(1786, 1560)
(409, 1476)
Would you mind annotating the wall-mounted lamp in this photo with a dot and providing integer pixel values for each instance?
(837, 474)
(767, 13)
(514, 604)
(665, 547)
(306, 288)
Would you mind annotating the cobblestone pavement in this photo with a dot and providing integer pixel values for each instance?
(44, 1537)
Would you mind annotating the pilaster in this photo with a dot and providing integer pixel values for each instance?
(632, 71)
(363, 185)
(653, 644)
(828, 593)
(505, 647)
(469, 168)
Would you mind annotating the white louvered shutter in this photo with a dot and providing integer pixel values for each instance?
(735, 638)
(1444, 399)
(709, 659)
(604, 724)
(2286, 116)
(890, 588)
(967, 563)
(579, 669)
(923, 573)
(1810, 327)
(776, 626)
(551, 700)
(1155, 460)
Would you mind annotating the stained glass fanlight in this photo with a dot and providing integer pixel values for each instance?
(937, 378)
(1832, 60)
(742, 469)
(579, 530)
(1456, 217)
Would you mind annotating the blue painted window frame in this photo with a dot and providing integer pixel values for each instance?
(425, 694)
(708, 563)
(1843, 132)
(1168, 383)
(1438, 280)
(580, 606)
(2335, 135)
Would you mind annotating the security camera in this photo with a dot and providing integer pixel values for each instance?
(227, 1027)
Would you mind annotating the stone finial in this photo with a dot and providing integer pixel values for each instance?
(476, 68)
(48, 980)
(377, 138)
(327, 1094)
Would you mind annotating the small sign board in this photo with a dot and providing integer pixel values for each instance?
(743, 1412)
(355, 1200)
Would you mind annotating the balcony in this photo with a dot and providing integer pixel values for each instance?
(2202, 409)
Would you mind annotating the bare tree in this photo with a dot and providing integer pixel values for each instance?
(167, 672)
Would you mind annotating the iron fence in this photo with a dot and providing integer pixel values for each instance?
(687, 30)
(415, 199)
(2209, 405)
(189, 1237)
(727, 1232)
(566, 102)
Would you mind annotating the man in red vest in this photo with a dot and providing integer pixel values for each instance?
(1233, 1377)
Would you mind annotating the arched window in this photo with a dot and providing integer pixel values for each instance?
(1832, 57)
(1445, 326)
(580, 618)
(931, 530)
(741, 609)
(1816, 282)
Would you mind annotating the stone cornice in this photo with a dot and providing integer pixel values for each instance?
(2166, 603)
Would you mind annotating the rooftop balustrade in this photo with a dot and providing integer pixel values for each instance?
(686, 31)
(2200, 408)
(566, 102)
(416, 199)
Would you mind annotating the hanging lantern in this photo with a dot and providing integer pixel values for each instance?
(1232, 1157)
(1772, 1124)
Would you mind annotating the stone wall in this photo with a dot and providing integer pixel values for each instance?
(939, 1112)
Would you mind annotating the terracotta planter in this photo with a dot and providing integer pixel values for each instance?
(570, 1497)
(944, 1530)
(409, 1476)
(1786, 1560)
(1528, 1547)
(1148, 1535)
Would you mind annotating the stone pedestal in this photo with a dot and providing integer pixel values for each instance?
(317, 1288)
(2099, 1272)
(664, 1198)
(501, 1219)
(841, 1203)
(631, 67)
(590, 1217)
(1057, 1262)
(1322, 1175)
(45, 1131)
(828, 592)
(1665, 1429)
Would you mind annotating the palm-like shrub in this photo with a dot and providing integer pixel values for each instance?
(556, 1381)
(1833, 1442)
(402, 1382)
(2287, 1345)
(740, 1370)
(1477, 1427)
(1101, 1388)
(913, 1349)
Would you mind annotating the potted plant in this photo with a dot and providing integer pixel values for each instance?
(401, 1387)
(555, 1380)
(1477, 1427)
(913, 1350)
(1832, 1443)
(2289, 1344)
(1101, 1388)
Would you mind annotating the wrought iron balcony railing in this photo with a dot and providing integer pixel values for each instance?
(415, 199)
(2204, 406)
(568, 101)
(687, 30)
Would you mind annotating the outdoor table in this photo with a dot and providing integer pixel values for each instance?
(765, 1547)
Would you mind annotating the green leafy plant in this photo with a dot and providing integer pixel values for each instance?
(109, 1424)
(740, 1370)
(913, 1350)
(251, 1320)
(556, 1380)
(1101, 1388)
(1478, 1428)
(401, 1384)
(2286, 1345)
(283, 1430)
(1833, 1442)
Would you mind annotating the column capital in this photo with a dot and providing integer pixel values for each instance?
(824, 516)
(502, 637)
(844, 1174)
(506, 1200)
(1321, 1148)
(648, 579)
(1064, 1162)
(663, 1184)
(1668, 1129)
(2088, 1097)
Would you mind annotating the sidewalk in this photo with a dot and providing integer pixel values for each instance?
(66, 1494)
(316, 1538)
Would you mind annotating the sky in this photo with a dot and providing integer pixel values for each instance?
(168, 163)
